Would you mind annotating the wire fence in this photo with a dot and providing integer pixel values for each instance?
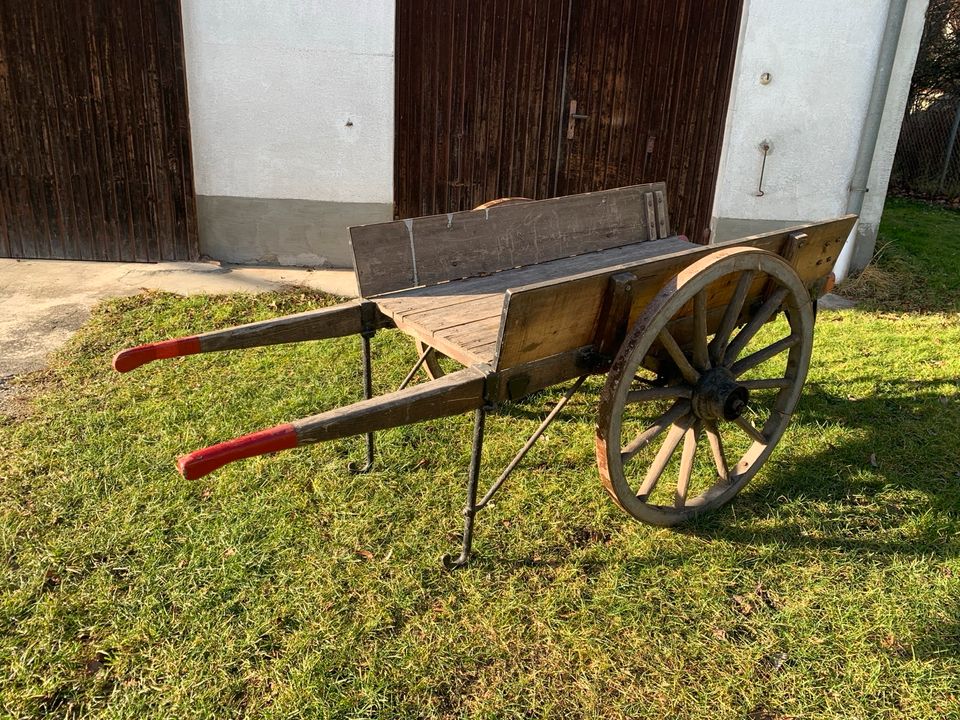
(927, 163)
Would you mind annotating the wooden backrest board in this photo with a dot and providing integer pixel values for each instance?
(557, 316)
(425, 251)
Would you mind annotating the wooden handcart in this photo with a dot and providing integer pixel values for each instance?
(528, 294)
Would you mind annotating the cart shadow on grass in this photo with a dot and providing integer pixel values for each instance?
(907, 506)
(904, 463)
(892, 493)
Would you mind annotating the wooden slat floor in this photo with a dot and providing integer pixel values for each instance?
(461, 318)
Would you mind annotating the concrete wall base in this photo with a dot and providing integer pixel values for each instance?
(263, 231)
(864, 244)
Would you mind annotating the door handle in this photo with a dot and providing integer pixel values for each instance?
(572, 118)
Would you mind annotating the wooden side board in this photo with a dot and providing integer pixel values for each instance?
(424, 251)
(553, 317)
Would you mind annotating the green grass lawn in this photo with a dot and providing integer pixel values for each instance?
(285, 587)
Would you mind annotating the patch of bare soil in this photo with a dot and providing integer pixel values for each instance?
(15, 405)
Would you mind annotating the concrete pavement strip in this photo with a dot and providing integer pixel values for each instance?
(43, 302)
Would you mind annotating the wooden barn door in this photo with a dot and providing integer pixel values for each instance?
(94, 136)
(650, 82)
(541, 98)
(477, 109)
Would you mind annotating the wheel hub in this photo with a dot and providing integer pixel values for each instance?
(718, 395)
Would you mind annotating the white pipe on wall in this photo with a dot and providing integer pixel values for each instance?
(871, 127)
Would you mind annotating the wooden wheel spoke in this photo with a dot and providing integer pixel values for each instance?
(689, 373)
(690, 438)
(677, 411)
(750, 430)
(761, 356)
(701, 356)
(716, 449)
(745, 335)
(719, 343)
(672, 392)
(662, 459)
(767, 383)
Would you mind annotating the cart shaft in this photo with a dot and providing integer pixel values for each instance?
(347, 318)
(449, 395)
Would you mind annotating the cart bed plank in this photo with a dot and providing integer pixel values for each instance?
(462, 317)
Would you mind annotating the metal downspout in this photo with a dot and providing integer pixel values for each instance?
(871, 130)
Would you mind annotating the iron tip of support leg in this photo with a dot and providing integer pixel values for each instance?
(451, 563)
(356, 469)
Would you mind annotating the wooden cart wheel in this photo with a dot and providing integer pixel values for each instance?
(707, 386)
(432, 364)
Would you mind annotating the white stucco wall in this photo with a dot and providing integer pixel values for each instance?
(272, 85)
(822, 56)
(292, 112)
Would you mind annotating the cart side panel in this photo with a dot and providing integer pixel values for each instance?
(559, 316)
(429, 250)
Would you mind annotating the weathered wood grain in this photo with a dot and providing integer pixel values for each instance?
(663, 221)
(324, 323)
(95, 159)
(429, 250)
(478, 110)
(654, 79)
(551, 317)
(612, 323)
(462, 318)
(483, 90)
(651, 215)
(420, 298)
(451, 394)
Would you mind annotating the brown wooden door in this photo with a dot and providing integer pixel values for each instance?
(94, 135)
(651, 80)
(477, 111)
(484, 91)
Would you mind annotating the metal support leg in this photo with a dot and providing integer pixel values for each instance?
(367, 394)
(530, 443)
(473, 507)
(470, 509)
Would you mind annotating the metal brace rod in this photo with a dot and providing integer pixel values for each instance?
(551, 416)
(472, 507)
(413, 371)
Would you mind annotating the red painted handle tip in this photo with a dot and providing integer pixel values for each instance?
(127, 360)
(202, 462)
